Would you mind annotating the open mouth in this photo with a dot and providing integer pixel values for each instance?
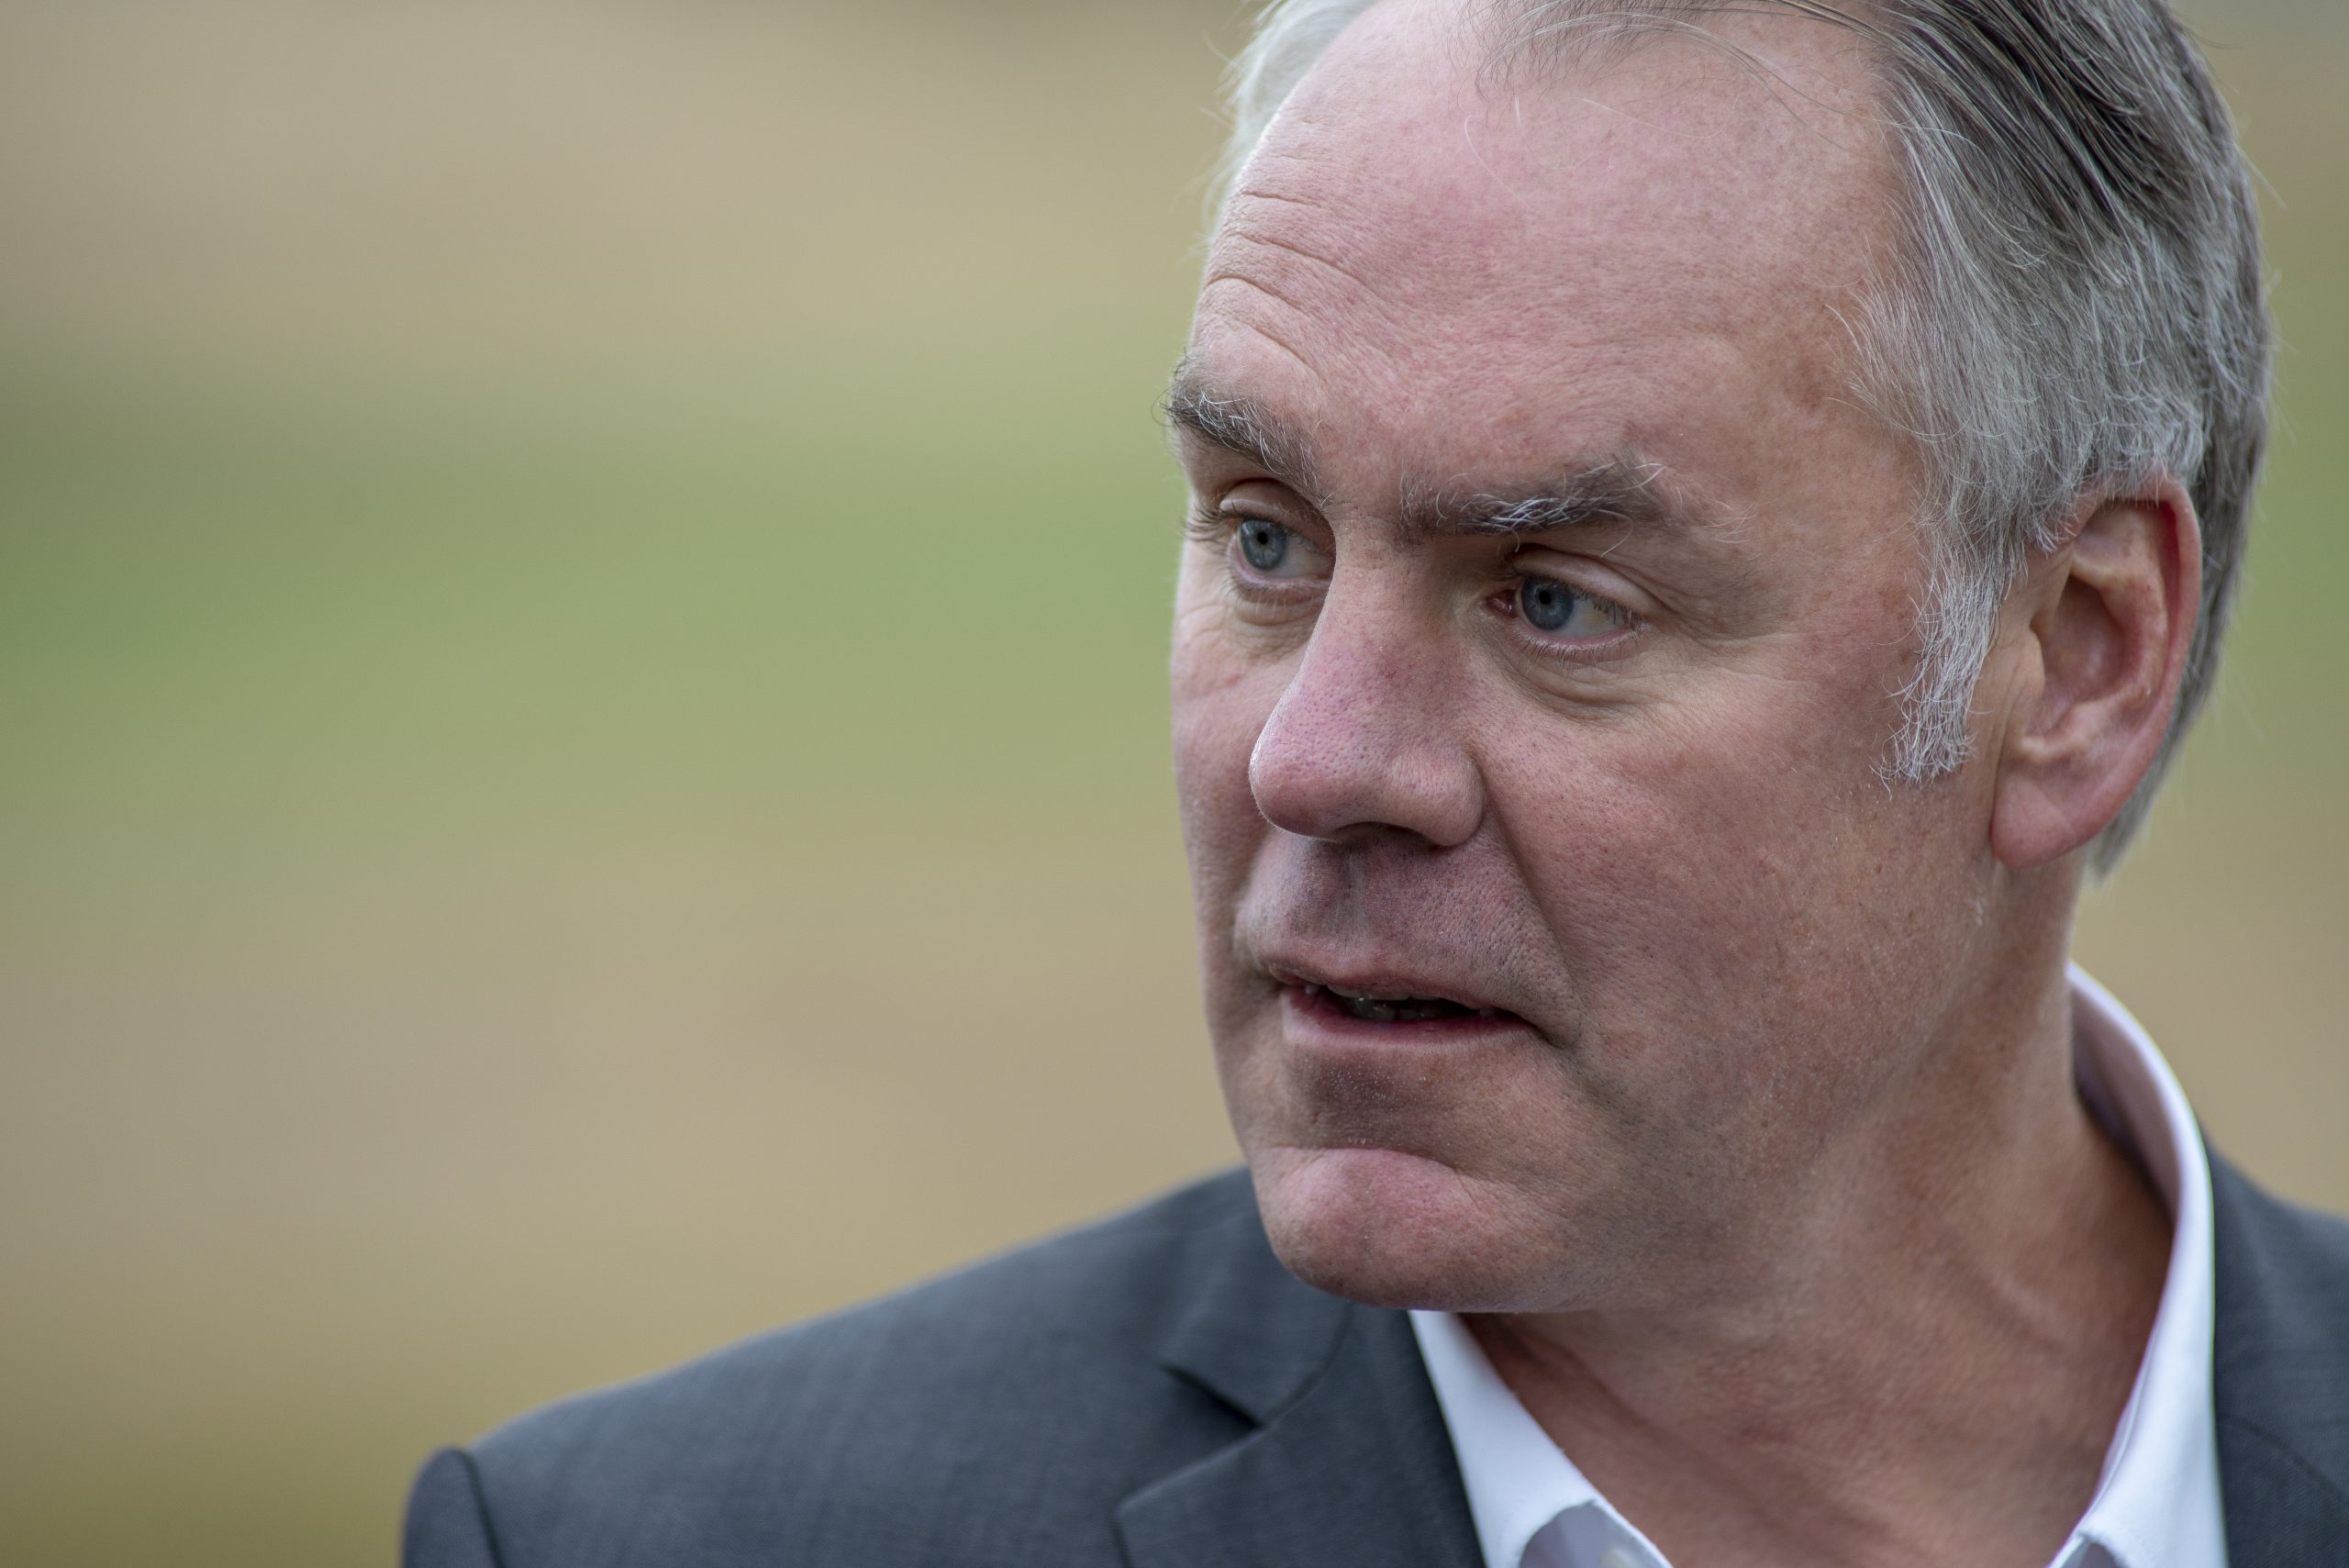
(1377, 1007)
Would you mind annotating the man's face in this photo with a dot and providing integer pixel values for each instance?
(1540, 659)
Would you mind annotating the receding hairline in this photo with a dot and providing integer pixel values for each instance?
(1866, 210)
(1509, 48)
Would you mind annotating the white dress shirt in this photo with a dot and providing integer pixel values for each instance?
(2158, 1505)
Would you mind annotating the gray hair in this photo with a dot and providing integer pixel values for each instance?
(2077, 311)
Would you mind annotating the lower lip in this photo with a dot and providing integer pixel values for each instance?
(1314, 1013)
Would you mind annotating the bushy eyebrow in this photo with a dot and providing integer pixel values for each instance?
(1619, 487)
(1240, 426)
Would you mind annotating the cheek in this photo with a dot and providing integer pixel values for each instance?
(1219, 703)
(1736, 894)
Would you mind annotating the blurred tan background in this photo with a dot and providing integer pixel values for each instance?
(583, 592)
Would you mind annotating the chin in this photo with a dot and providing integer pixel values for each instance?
(1387, 1228)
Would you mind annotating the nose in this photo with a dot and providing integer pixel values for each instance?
(1368, 736)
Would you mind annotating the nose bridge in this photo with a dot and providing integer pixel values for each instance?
(1369, 732)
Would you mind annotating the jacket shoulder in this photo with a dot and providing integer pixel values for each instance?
(2279, 1370)
(991, 1415)
(2283, 1280)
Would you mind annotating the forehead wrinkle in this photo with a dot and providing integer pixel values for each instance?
(1305, 262)
(1236, 231)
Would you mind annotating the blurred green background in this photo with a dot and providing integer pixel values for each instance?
(583, 600)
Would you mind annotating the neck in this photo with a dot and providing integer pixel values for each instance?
(1927, 1363)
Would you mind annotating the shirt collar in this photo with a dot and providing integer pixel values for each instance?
(1517, 1479)
(2157, 1506)
(2158, 1503)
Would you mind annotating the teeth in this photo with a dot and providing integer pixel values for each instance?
(1397, 1009)
(1398, 1006)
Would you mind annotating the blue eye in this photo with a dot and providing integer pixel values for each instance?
(1265, 544)
(1565, 611)
(1547, 606)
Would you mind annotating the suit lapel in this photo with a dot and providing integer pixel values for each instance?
(1348, 1462)
(1356, 1469)
(2280, 1378)
(2280, 1513)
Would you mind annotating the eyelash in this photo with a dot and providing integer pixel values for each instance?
(1216, 530)
(1207, 527)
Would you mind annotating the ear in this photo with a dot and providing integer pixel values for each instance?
(2111, 620)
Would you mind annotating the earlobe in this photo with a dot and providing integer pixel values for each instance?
(2110, 627)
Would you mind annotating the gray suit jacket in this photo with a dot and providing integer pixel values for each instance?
(1159, 1391)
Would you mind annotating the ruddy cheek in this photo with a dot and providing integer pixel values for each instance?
(1214, 728)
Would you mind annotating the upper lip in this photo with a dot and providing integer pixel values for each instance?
(1374, 979)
